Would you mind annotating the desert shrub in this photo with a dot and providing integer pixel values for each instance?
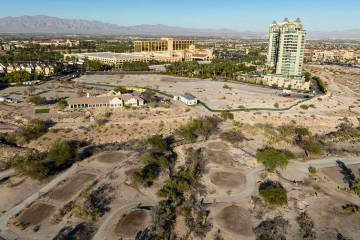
(198, 127)
(311, 146)
(148, 174)
(94, 204)
(272, 229)
(30, 164)
(32, 130)
(158, 143)
(306, 225)
(62, 104)
(303, 106)
(273, 158)
(351, 208)
(312, 170)
(276, 105)
(62, 154)
(40, 165)
(226, 115)
(232, 136)
(273, 193)
(122, 90)
(155, 158)
(37, 100)
(177, 185)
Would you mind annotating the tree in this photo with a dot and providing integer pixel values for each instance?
(17, 77)
(37, 100)
(30, 164)
(272, 229)
(273, 158)
(62, 154)
(158, 143)
(306, 225)
(122, 90)
(227, 115)
(273, 193)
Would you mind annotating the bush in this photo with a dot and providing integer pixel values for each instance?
(272, 229)
(34, 129)
(158, 159)
(351, 208)
(306, 225)
(227, 115)
(122, 90)
(199, 127)
(276, 105)
(40, 165)
(62, 104)
(303, 106)
(273, 193)
(62, 154)
(312, 170)
(158, 143)
(311, 146)
(232, 136)
(37, 100)
(148, 174)
(272, 158)
(31, 165)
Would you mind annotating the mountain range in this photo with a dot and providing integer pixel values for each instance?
(41, 24)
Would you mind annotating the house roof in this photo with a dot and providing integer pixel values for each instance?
(102, 100)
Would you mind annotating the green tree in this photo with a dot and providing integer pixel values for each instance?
(17, 77)
(158, 143)
(273, 158)
(273, 193)
(62, 154)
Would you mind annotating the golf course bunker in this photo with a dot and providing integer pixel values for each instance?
(72, 186)
(235, 219)
(111, 157)
(132, 223)
(36, 214)
(228, 179)
(220, 157)
(219, 146)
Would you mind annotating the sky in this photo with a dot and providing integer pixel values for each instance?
(241, 15)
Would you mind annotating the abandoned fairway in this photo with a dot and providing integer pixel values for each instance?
(35, 214)
(68, 189)
(111, 157)
(236, 220)
(130, 224)
(228, 179)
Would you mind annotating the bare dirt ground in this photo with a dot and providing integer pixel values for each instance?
(68, 189)
(132, 223)
(229, 171)
(235, 219)
(211, 92)
(36, 214)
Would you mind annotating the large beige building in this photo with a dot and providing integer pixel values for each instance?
(162, 45)
(162, 50)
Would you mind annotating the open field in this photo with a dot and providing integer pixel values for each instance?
(36, 214)
(212, 93)
(68, 189)
(132, 223)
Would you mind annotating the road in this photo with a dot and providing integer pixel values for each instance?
(251, 188)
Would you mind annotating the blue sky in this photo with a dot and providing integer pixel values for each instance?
(252, 15)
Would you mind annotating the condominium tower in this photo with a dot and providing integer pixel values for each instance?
(286, 48)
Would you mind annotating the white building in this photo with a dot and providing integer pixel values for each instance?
(188, 100)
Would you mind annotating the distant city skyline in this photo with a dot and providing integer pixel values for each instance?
(255, 15)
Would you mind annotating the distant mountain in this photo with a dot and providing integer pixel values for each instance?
(51, 25)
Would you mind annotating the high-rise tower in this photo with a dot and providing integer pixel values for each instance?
(286, 48)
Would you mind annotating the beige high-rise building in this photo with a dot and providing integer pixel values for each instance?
(162, 45)
(286, 48)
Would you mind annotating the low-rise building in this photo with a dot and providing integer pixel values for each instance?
(187, 99)
(106, 102)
